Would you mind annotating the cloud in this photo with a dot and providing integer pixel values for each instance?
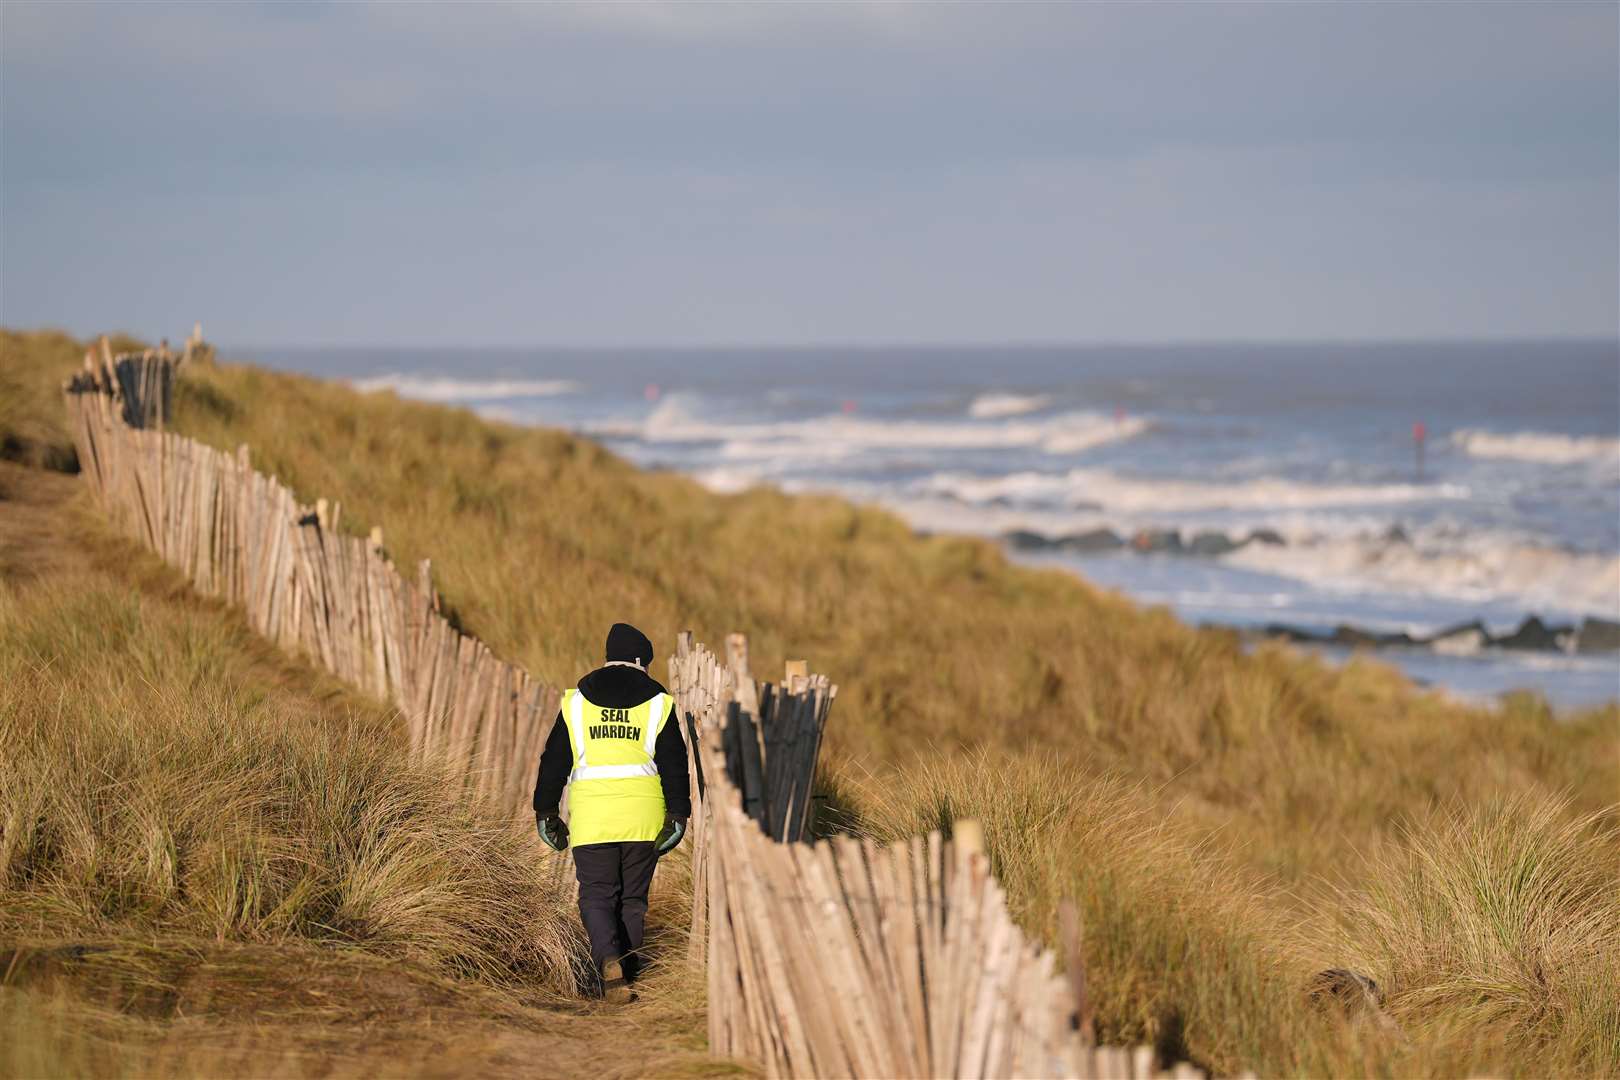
(744, 22)
(834, 171)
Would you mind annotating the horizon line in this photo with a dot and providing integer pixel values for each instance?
(882, 346)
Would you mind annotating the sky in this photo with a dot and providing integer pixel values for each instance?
(704, 174)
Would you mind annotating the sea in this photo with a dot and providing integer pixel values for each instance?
(1414, 487)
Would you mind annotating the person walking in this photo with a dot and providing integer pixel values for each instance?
(617, 745)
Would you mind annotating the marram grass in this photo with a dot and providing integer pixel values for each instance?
(1496, 924)
(141, 791)
(214, 860)
(540, 540)
(1228, 822)
(1493, 928)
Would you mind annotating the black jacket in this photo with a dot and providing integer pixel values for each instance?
(617, 687)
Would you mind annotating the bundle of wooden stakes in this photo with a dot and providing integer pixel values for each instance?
(772, 736)
(851, 958)
(242, 536)
(140, 385)
(776, 757)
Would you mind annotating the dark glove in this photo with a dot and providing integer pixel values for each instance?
(553, 830)
(670, 835)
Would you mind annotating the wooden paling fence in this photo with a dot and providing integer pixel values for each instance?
(703, 689)
(847, 957)
(242, 536)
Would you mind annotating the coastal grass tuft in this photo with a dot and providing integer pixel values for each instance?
(1492, 929)
(144, 790)
(1497, 926)
(33, 366)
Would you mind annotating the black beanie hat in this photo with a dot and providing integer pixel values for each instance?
(625, 642)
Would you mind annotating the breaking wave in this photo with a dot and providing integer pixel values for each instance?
(675, 421)
(1487, 568)
(1537, 446)
(1106, 490)
(725, 480)
(1344, 556)
(995, 406)
(445, 388)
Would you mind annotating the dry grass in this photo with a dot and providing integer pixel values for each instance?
(1213, 811)
(143, 790)
(213, 859)
(33, 426)
(1494, 929)
(540, 539)
(1179, 942)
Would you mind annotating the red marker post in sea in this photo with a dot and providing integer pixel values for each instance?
(1420, 434)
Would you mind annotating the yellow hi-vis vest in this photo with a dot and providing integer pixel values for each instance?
(614, 792)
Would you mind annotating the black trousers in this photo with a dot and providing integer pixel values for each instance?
(613, 883)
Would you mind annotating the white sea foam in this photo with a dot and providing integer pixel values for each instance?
(1538, 446)
(1112, 492)
(995, 406)
(1328, 553)
(1078, 438)
(1485, 568)
(447, 388)
(725, 480)
(773, 454)
(676, 419)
